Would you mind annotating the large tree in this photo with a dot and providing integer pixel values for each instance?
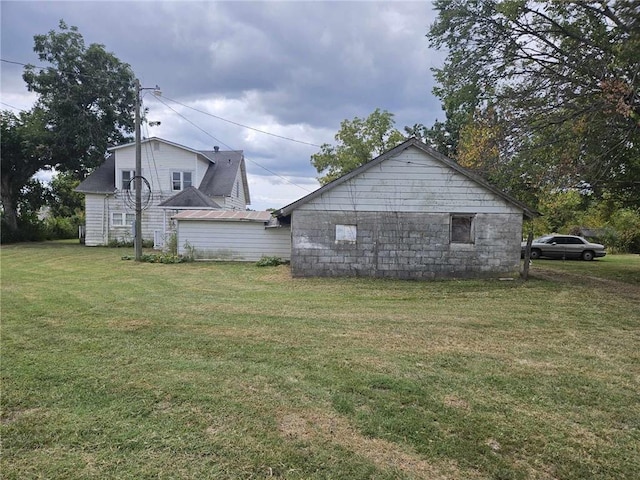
(86, 101)
(25, 150)
(88, 96)
(550, 90)
(358, 141)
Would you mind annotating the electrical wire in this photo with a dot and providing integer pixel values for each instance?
(160, 99)
(179, 103)
(242, 125)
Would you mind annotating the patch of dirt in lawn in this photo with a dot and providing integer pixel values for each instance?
(9, 417)
(322, 426)
(130, 324)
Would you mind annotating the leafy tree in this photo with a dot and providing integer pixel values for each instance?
(87, 97)
(64, 200)
(359, 141)
(25, 150)
(86, 102)
(555, 84)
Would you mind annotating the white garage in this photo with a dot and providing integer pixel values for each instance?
(232, 235)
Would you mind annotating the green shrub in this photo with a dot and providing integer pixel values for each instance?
(270, 262)
(128, 243)
(160, 258)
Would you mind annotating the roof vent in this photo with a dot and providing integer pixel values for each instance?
(216, 148)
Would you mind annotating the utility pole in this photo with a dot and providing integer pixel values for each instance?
(138, 179)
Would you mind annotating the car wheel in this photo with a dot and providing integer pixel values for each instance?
(587, 255)
(535, 254)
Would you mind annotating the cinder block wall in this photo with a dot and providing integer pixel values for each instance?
(403, 245)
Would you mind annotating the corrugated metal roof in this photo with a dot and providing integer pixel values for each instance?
(224, 215)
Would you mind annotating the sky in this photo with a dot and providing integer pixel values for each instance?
(291, 69)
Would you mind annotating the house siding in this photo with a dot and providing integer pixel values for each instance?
(158, 160)
(410, 182)
(97, 224)
(233, 240)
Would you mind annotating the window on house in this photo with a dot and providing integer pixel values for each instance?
(181, 180)
(346, 233)
(462, 229)
(126, 179)
(122, 219)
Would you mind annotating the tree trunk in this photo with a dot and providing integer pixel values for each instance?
(10, 212)
(9, 207)
(527, 256)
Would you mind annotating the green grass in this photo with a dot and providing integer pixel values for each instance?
(622, 268)
(116, 369)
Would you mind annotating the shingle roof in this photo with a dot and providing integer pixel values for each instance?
(190, 197)
(102, 179)
(220, 177)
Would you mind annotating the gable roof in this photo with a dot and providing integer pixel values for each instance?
(218, 181)
(412, 142)
(190, 197)
(102, 179)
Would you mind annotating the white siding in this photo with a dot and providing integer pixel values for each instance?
(410, 182)
(96, 208)
(245, 241)
(153, 218)
(157, 165)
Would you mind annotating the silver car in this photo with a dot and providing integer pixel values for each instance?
(564, 246)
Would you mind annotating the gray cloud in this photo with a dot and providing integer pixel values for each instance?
(296, 69)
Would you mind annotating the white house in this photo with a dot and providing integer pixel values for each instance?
(175, 178)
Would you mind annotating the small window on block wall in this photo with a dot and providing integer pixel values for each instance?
(346, 234)
(462, 230)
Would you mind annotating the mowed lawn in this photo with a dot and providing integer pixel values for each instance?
(116, 369)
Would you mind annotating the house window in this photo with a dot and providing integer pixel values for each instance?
(122, 219)
(462, 230)
(346, 234)
(180, 180)
(126, 179)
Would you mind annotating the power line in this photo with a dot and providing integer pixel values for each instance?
(160, 99)
(192, 123)
(244, 126)
(11, 106)
(177, 102)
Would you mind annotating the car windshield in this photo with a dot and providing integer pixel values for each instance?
(544, 239)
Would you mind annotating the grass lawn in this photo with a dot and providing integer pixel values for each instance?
(116, 369)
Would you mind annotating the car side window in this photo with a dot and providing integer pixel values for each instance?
(575, 241)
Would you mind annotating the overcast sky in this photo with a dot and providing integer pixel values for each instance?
(294, 69)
